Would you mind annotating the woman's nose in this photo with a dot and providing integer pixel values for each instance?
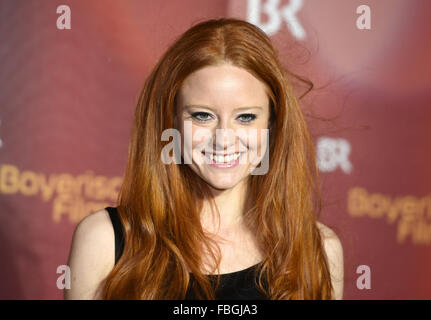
(224, 136)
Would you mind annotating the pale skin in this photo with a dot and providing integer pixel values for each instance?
(224, 96)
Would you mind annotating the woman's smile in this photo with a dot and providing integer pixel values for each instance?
(224, 161)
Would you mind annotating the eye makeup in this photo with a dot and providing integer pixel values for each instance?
(245, 118)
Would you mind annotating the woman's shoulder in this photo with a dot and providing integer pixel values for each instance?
(326, 232)
(92, 254)
(97, 231)
(330, 240)
(97, 227)
(334, 252)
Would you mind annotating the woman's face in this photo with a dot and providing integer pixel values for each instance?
(227, 108)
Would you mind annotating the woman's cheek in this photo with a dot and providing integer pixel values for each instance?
(198, 137)
(258, 142)
(197, 141)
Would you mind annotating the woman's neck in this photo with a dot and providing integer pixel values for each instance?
(230, 203)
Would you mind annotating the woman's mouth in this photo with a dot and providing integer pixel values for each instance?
(224, 161)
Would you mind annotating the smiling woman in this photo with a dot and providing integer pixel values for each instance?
(214, 226)
(215, 99)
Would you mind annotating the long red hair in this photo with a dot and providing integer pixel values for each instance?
(159, 204)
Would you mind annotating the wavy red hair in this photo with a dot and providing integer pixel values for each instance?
(159, 204)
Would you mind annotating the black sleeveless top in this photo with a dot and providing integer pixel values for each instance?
(234, 285)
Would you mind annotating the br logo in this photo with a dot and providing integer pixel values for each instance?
(277, 14)
(333, 153)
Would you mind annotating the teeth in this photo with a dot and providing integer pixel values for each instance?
(225, 159)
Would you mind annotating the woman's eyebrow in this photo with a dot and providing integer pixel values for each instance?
(209, 108)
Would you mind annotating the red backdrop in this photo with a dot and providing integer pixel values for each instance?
(68, 96)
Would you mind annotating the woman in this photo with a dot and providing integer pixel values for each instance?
(232, 216)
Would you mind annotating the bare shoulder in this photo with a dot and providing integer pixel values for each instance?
(91, 256)
(96, 224)
(326, 232)
(334, 252)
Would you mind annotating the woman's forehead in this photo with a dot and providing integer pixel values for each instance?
(223, 86)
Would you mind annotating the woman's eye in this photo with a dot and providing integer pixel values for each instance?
(247, 117)
(204, 116)
(201, 116)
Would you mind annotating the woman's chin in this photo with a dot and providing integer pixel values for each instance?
(223, 183)
(221, 186)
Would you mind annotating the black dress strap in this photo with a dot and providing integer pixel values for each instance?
(118, 231)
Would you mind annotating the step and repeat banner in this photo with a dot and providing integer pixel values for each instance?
(71, 73)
